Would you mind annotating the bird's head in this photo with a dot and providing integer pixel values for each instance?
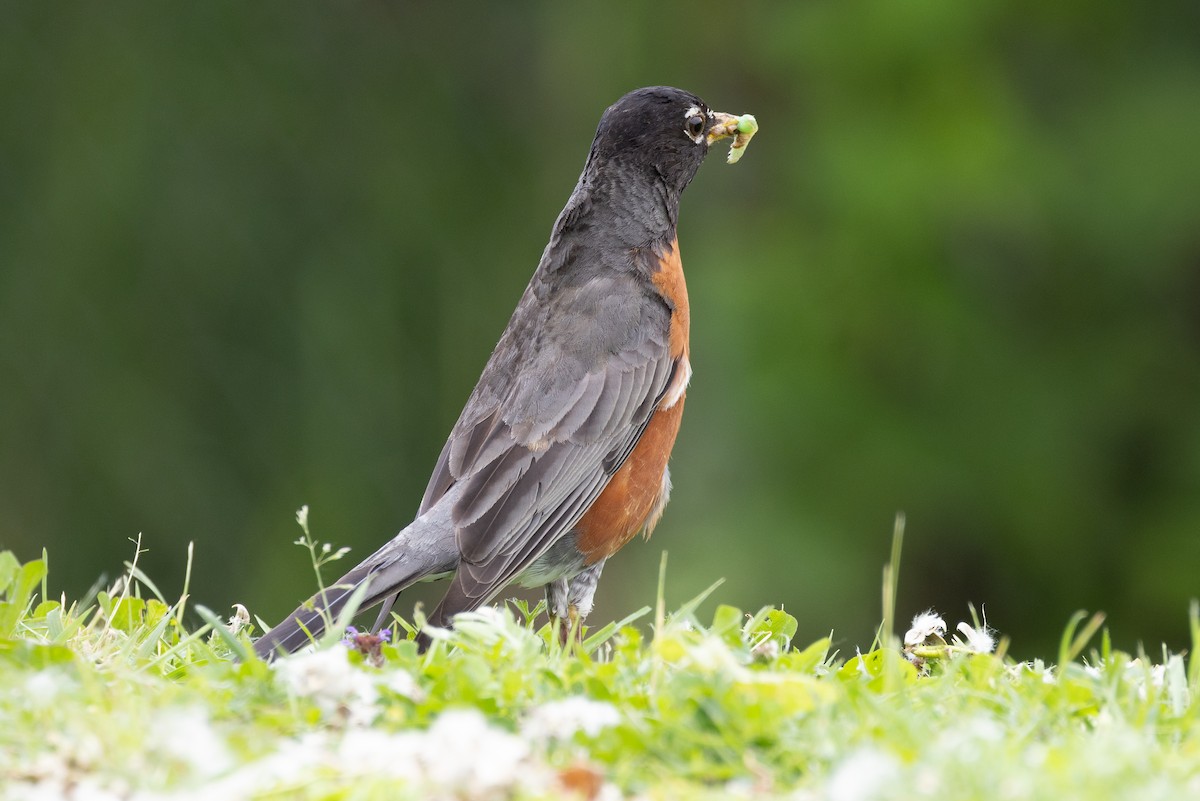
(664, 133)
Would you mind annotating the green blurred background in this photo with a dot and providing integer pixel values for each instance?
(254, 255)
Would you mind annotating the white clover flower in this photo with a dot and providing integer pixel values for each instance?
(339, 690)
(609, 792)
(1037, 668)
(487, 624)
(925, 625)
(65, 770)
(712, 655)
(966, 741)
(766, 651)
(83, 788)
(401, 682)
(1157, 674)
(490, 625)
(459, 756)
(186, 735)
(865, 774)
(975, 640)
(437, 632)
(560, 720)
(928, 781)
(739, 787)
(461, 752)
(275, 772)
(371, 752)
(493, 615)
(42, 688)
(1138, 669)
(1142, 676)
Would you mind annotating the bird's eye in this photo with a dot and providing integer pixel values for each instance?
(695, 126)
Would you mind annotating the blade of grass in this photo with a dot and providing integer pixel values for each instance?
(126, 582)
(891, 584)
(1072, 643)
(1194, 662)
(181, 604)
(660, 602)
(889, 643)
(605, 633)
(46, 562)
(136, 572)
(195, 638)
(689, 608)
(153, 638)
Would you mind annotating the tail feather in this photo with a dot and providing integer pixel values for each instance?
(424, 549)
(308, 620)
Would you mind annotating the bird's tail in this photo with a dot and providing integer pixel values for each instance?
(425, 549)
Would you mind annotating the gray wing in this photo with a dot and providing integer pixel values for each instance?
(553, 417)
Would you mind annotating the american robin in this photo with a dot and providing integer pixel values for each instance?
(560, 456)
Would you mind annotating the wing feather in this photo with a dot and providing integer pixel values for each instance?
(549, 425)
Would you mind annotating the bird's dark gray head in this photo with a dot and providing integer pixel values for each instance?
(660, 132)
(647, 149)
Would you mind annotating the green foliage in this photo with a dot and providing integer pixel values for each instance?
(17, 583)
(105, 699)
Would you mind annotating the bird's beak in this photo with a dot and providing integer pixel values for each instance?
(724, 125)
(740, 128)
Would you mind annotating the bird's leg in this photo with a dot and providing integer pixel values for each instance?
(558, 608)
(580, 595)
(573, 630)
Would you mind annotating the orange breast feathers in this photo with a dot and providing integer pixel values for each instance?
(670, 283)
(636, 494)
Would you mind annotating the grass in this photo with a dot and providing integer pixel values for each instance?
(115, 696)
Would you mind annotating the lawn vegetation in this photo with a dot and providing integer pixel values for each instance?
(119, 696)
